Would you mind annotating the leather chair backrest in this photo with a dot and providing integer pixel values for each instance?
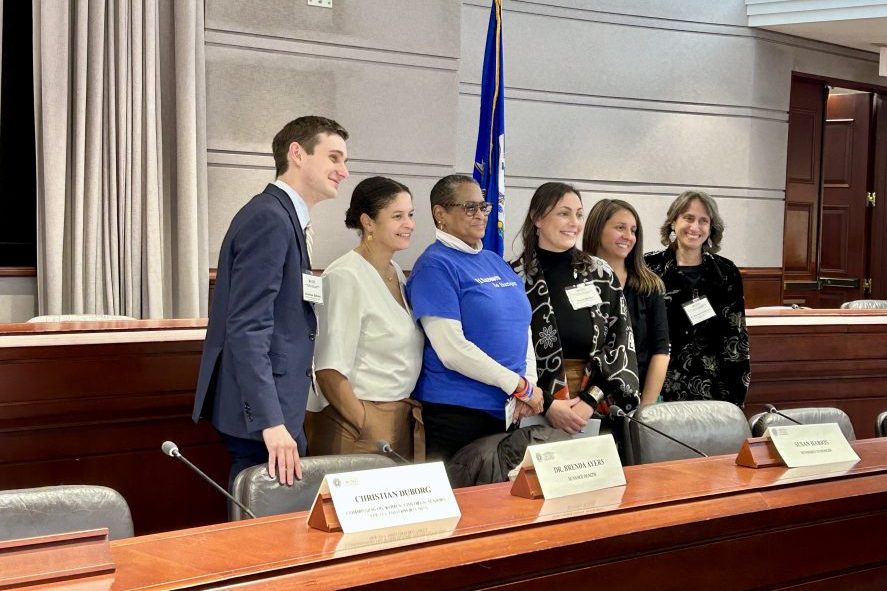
(864, 305)
(255, 488)
(30, 512)
(881, 424)
(714, 427)
(760, 422)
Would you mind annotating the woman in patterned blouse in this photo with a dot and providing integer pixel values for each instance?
(581, 332)
(706, 308)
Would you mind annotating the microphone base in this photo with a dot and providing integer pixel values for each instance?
(758, 452)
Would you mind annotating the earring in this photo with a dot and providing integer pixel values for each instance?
(370, 237)
(672, 236)
(709, 242)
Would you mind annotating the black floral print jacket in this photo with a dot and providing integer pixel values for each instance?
(612, 363)
(709, 361)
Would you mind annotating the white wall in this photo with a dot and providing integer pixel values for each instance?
(386, 70)
(643, 99)
(18, 300)
(637, 99)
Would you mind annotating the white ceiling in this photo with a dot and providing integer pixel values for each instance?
(868, 34)
(860, 24)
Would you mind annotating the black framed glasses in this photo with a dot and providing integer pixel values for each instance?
(472, 207)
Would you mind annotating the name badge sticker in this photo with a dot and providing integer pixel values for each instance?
(509, 411)
(312, 288)
(698, 310)
(584, 295)
(811, 445)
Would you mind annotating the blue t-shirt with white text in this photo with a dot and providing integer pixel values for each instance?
(485, 294)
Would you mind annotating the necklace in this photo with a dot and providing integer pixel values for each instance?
(389, 277)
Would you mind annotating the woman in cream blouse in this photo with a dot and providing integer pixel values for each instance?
(369, 348)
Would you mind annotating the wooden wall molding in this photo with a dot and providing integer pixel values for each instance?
(838, 365)
(762, 286)
(18, 271)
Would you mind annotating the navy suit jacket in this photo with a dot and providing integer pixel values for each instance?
(256, 366)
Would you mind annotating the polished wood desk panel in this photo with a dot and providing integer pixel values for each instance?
(820, 358)
(692, 524)
(92, 402)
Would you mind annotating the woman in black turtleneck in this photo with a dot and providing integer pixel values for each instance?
(585, 356)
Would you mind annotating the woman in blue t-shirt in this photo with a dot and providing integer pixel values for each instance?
(478, 370)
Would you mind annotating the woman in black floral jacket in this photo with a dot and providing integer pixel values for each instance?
(585, 355)
(706, 308)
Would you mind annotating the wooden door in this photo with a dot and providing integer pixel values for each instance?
(877, 270)
(802, 190)
(843, 240)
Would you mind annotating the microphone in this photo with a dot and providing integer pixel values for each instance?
(172, 450)
(616, 412)
(386, 449)
(772, 410)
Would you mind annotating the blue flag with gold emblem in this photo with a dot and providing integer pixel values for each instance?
(489, 159)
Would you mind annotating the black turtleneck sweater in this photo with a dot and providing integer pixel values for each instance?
(575, 326)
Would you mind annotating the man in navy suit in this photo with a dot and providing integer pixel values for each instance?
(256, 366)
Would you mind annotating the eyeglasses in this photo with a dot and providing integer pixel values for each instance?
(472, 207)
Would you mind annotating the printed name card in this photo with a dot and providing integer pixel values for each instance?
(386, 497)
(811, 445)
(554, 470)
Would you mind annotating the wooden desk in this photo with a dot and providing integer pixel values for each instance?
(820, 358)
(692, 524)
(90, 403)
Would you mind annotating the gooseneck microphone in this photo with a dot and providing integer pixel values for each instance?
(616, 412)
(172, 450)
(772, 410)
(386, 449)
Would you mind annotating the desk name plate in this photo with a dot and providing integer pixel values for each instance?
(553, 470)
(811, 445)
(386, 497)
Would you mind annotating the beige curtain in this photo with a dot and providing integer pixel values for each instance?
(119, 95)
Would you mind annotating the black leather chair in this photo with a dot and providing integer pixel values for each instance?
(30, 512)
(255, 488)
(760, 422)
(881, 424)
(714, 427)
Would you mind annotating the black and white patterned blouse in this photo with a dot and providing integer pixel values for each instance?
(709, 361)
(608, 343)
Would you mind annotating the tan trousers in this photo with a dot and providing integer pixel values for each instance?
(399, 423)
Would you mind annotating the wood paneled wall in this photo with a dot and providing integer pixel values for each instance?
(762, 286)
(838, 365)
(98, 413)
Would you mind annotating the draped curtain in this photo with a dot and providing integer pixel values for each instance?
(119, 90)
